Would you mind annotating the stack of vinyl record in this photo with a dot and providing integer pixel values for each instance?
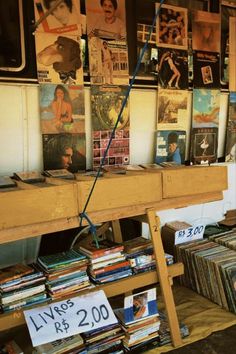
(72, 344)
(139, 252)
(105, 340)
(107, 263)
(20, 286)
(140, 320)
(66, 273)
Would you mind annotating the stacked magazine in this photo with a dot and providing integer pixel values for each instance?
(20, 286)
(72, 344)
(107, 263)
(140, 319)
(66, 273)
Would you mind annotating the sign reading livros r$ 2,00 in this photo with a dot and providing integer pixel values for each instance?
(69, 317)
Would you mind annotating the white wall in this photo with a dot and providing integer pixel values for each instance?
(21, 145)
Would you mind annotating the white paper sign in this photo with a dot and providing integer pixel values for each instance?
(190, 234)
(69, 317)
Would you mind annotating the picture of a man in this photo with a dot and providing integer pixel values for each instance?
(106, 24)
(173, 149)
(107, 61)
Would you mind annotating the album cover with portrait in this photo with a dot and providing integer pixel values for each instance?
(206, 69)
(206, 108)
(172, 110)
(170, 146)
(108, 62)
(64, 151)
(204, 143)
(206, 31)
(63, 18)
(106, 103)
(172, 27)
(62, 108)
(118, 152)
(107, 21)
(173, 68)
(59, 59)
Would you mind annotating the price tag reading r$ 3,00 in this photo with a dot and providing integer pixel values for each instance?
(190, 234)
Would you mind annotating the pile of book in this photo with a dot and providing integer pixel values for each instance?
(20, 286)
(210, 270)
(139, 319)
(103, 340)
(66, 273)
(72, 344)
(139, 252)
(107, 263)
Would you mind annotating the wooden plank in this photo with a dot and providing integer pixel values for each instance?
(163, 277)
(193, 180)
(116, 231)
(24, 207)
(16, 318)
(120, 191)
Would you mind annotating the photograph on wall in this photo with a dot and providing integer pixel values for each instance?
(59, 59)
(204, 145)
(172, 109)
(106, 103)
(106, 19)
(230, 146)
(170, 146)
(206, 69)
(173, 68)
(205, 31)
(108, 62)
(206, 108)
(172, 27)
(64, 151)
(118, 153)
(149, 62)
(62, 109)
(65, 17)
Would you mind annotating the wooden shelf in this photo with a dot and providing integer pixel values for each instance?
(16, 318)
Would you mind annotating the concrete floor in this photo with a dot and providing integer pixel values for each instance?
(220, 342)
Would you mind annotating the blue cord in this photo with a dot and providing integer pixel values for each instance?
(83, 214)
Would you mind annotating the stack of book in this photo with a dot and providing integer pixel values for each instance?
(139, 252)
(107, 263)
(103, 340)
(66, 273)
(139, 319)
(72, 344)
(20, 286)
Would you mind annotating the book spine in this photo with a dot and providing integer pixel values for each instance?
(111, 267)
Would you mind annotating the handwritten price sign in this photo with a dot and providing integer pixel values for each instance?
(69, 317)
(190, 234)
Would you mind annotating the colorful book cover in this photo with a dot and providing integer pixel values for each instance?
(61, 258)
(105, 247)
(206, 108)
(173, 68)
(230, 146)
(14, 272)
(172, 27)
(206, 69)
(170, 146)
(204, 142)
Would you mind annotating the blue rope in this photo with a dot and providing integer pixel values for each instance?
(83, 214)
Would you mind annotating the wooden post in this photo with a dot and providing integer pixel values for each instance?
(161, 267)
(117, 231)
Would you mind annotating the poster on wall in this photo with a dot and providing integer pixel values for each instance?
(62, 108)
(170, 146)
(108, 62)
(64, 151)
(65, 17)
(118, 153)
(172, 110)
(230, 146)
(106, 103)
(106, 19)
(172, 27)
(58, 59)
(205, 31)
(206, 108)
(173, 68)
(204, 145)
(206, 69)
